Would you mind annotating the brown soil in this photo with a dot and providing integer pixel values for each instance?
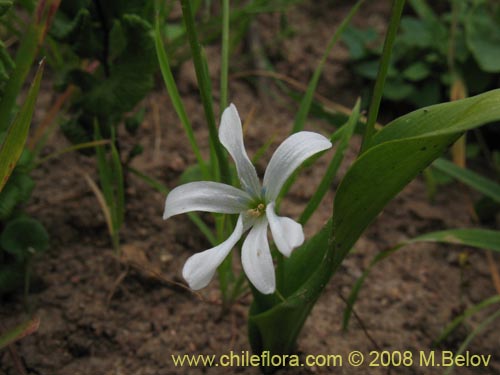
(102, 316)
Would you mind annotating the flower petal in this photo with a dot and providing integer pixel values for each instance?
(205, 196)
(200, 268)
(289, 156)
(287, 233)
(256, 259)
(231, 136)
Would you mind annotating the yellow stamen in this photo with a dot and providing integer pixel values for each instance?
(257, 211)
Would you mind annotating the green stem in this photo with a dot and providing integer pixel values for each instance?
(224, 70)
(397, 10)
(205, 92)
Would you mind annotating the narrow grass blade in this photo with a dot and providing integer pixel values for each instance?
(17, 333)
(346, 133)
(224, 64)
(482, 184)
(175, 97)
(105, 175)
(484, 324)
(79, 146)
(31, 42)
(200, 65)
(305, 104)
(478, 238)
(378, 90)
(102, 202)
(118, 184)
(469, 312)
(14, 141)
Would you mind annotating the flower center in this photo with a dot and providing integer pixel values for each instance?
(257, 211)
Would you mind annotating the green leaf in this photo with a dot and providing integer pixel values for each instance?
(478, 238)
(483, 38)
(397, 89)
(274, 325)
(80, 31)
(175, 97)
(18, 332)
(13, 144)
(427, 94)
(305, 104)
(358, 41)
(416, 71)
(482, 184)
(218, 156)
(394, 156)
(344, 133)
(24, 237)
(477, 330)
(4, 6)
(467, 313)
(130, 76)
(23, 61)
(415, 33)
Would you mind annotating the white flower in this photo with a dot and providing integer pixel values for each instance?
(253, 203)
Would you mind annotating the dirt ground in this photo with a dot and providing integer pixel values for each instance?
(101, 316)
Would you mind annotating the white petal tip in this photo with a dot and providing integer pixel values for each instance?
(267, 291)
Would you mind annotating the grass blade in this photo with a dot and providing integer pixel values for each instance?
(478, 238)
(346, 133)
(14, 141)
(305, 104)
(378, 90)
(175, 97)
(200, 65)
(472, 335)
(469, 312)
(482, 184)
(31, 42)
(224, 64)
(17, 333)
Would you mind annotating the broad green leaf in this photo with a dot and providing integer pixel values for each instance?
(443, 119)
(24, 237)
(478, 238)
(394, 156)
(417, 71)
(482, 184)
(483, 37)
(358, 40)
(275, 326)
(13, 143)
(130, 74)
(427, 94)
(17, 190)
(397, 89)
(4, 6)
